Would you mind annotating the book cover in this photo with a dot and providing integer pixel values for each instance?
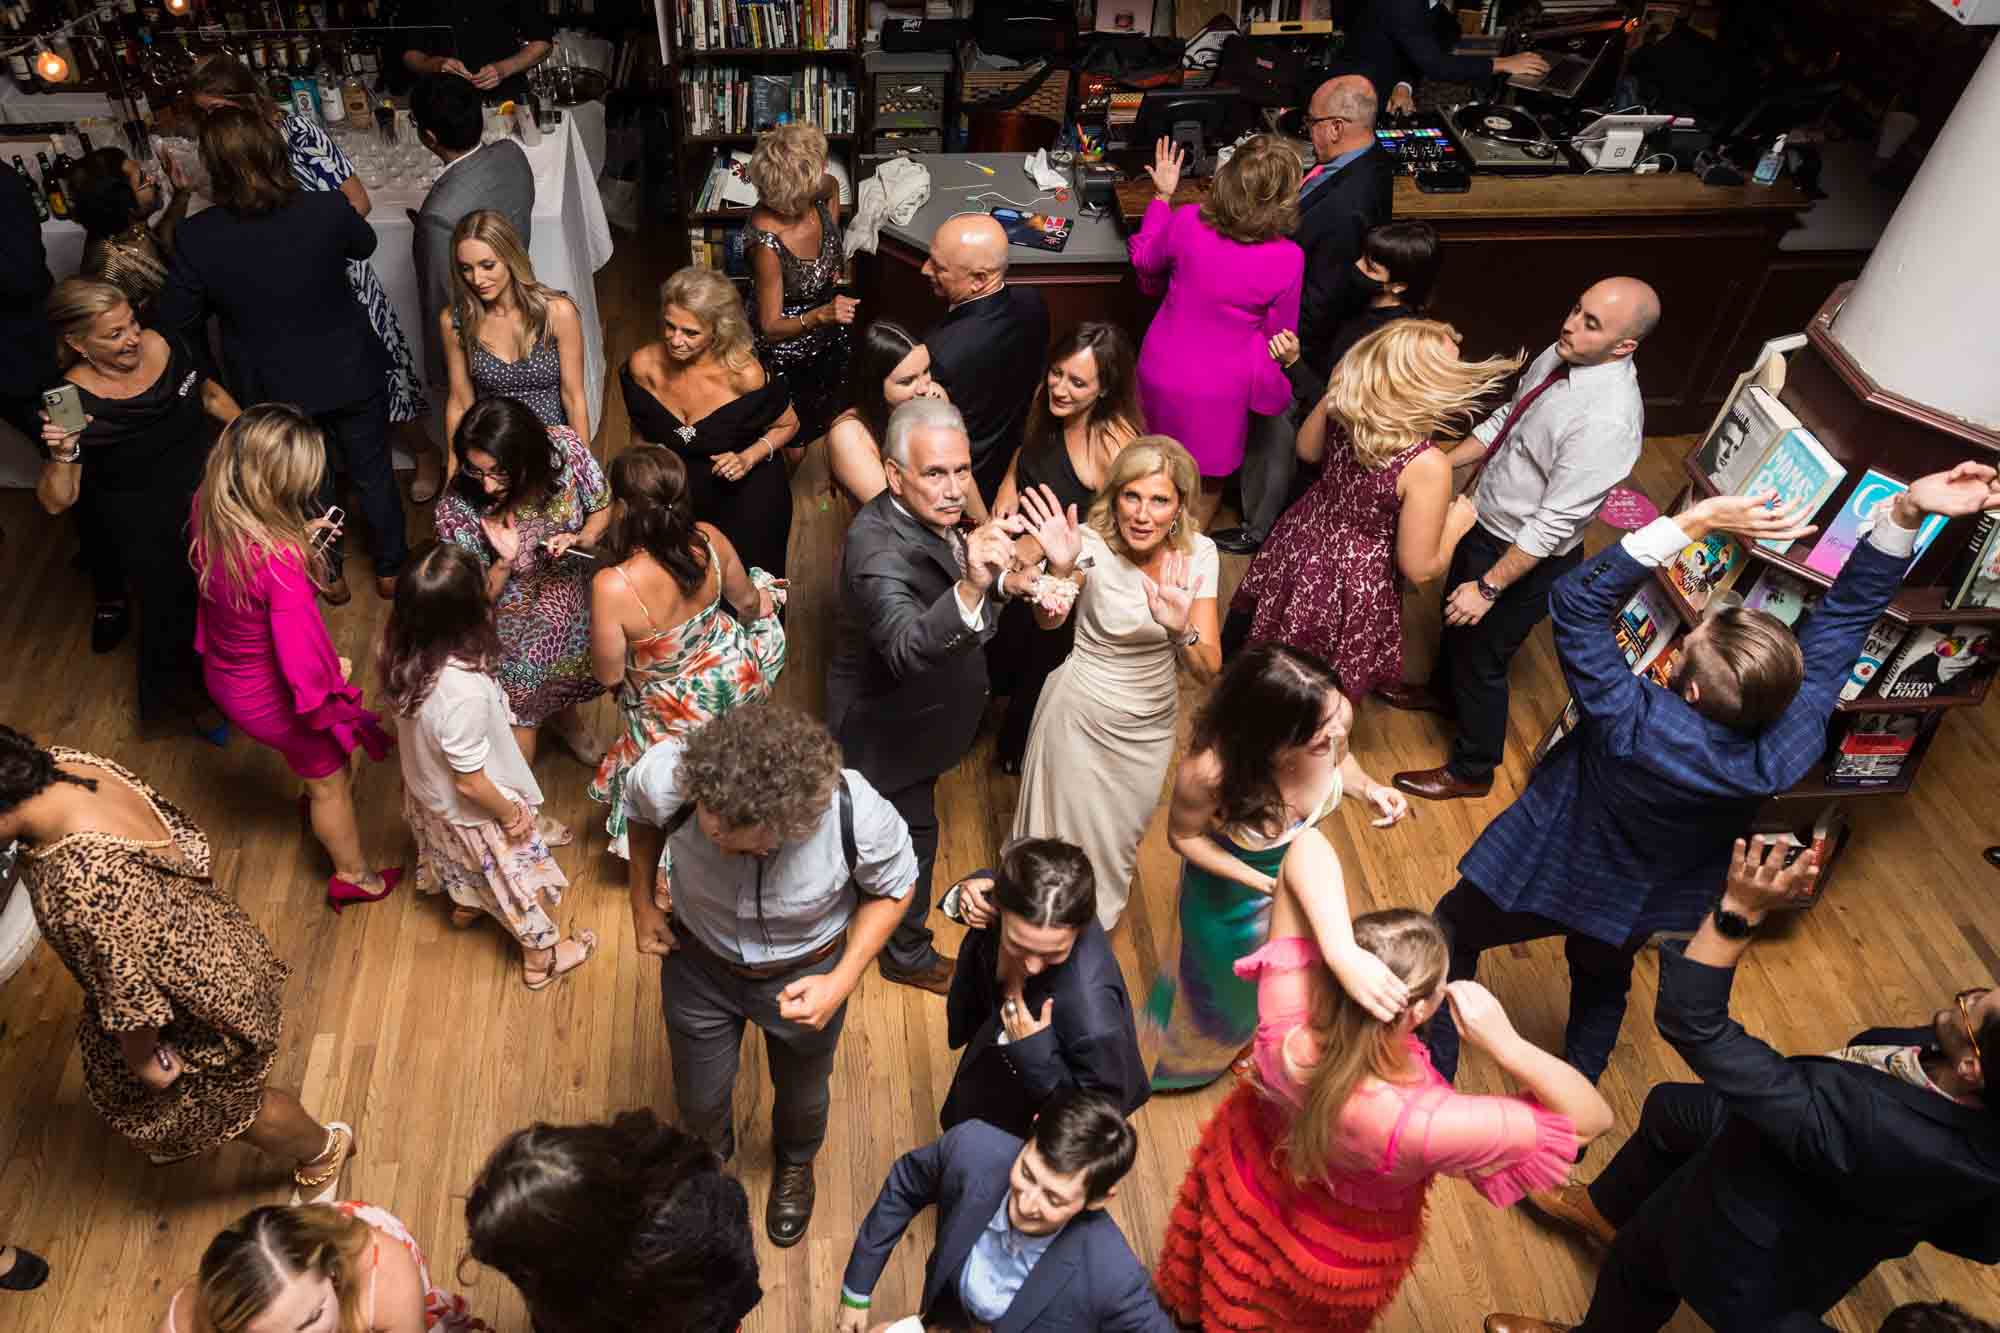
(1707, 567)
(1876, 748)
(1975, 576)
(1783, 595)
(1799, 469)
(1753, 420)
(1875, 489)
(1884, 637)
(1645, 625)
(1940, 660)
(1036, 231)
(1661, 670)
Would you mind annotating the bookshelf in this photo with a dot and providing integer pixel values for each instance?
(729, 57)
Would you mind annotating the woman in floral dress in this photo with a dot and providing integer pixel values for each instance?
(524, 496)
(660, 634)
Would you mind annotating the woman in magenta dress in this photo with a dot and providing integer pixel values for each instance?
(266, 658)
(1231, 282)
(1303, 1206)
(1326, 580)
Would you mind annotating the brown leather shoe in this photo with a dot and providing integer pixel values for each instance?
(1570, 1206)
(335, 591)
(790, 1206)
(1521, 1323)
(1415, 699)
(1439, 784)
(385, 587)
(936, 978)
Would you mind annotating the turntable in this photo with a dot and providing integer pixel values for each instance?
(1506, 140)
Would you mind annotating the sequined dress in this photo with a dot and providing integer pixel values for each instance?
(812, 366)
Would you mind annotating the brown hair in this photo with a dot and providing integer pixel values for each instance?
(248, 168)
(73, 306)
(1402, 382)
(1117, 387)
(249, 1262)
(223, 75)
(659, 517)
(762, 763)
(712, 299)
(1271, 698)
(493, 230)
(1355, 1044)
(1256, 194)
(1147, 456)
(787, 166)
(1748, 668)
(441, 614)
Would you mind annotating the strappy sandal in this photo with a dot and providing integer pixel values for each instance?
(543, 978)
(553, 832)
(319, 1179)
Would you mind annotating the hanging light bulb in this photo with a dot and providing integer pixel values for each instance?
(177, 7)
(51, 66)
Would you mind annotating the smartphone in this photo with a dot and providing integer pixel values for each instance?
(65, 408)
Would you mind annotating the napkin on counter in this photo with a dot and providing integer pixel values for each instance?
(894, 193)
(1042, 174)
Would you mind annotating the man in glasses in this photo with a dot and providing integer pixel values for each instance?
(1762, 1194)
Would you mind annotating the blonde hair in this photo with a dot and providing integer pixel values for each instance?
(1147, 456)
(492, 229)
(74, 306)
(1402, 382)
(248, 1264)
(786, 168)
(1356, 1045)
(712, 299)
(1256, 194)
(262, 474)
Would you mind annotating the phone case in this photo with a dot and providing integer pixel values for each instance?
(65, 408)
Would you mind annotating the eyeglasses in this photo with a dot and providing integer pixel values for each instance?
(1311, 121)
(483, 473)
(1965, 999)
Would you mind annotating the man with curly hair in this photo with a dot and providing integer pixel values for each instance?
(780, 876)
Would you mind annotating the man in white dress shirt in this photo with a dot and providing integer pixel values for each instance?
(1571, 433)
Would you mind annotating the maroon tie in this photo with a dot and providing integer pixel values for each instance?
(1514, 419)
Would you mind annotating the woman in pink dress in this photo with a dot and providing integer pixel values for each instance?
(1304, 1204)
(1231, 281)
(1326, 581)
(266, 658)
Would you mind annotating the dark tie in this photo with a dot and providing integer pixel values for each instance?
(956, 540)
(1514, 419)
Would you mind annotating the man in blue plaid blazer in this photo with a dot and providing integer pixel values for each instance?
(1626, 826)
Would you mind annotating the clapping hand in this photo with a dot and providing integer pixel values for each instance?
(1171, 599)
(1284, 347)
(503, 534)
(1042, 516)
(1760, 881)
(1168, 159)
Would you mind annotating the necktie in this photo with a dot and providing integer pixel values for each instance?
(1514, 419)
(956, 540)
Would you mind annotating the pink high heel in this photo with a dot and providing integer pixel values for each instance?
(340, 892)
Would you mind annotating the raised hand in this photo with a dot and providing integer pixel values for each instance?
(1760, 881)
(1479, 1016)
(1168, 159)
(1752, 517)
(1050, 524)
(1171, 600)
(1966, 489)
(1371, 982)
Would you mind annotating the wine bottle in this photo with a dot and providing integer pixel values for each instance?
(52, 187)
(34, 190)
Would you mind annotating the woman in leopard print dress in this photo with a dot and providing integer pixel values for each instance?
(182, 994)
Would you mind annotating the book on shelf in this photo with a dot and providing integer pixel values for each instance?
(719, 248)
(1874, 749)
(1800, 470)
(1782, 594)
(1749, 426)
(1884, 637)
(733, 99)
(1875, 489)
(1707, 567)
(1974, 578)
(811, 25)
(1940, 661)
(1646, 624)
(1824, 840)
(1664, 663)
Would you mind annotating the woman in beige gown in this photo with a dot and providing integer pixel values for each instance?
(1103, 733)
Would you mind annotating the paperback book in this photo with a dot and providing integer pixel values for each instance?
(1754, 420)
(1884, 637)
(1800, 470)
(1036, 231)
(1843, 534)
(1975, 576)
(1706, 567)
(1940, 660)
(1645, 625)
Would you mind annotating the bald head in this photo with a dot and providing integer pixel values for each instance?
(1609, 321)
(968, 257)
(1343, 115)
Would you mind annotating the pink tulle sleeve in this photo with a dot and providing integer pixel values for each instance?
(1505, 1146)
(310, 667)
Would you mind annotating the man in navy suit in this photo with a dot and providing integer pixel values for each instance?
(1625, 828)
(1398, 43)
(1762, 1194)
(1023, 1238)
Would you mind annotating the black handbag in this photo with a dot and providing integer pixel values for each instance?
(1044, 29)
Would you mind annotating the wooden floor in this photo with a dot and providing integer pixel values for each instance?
(425, 1039)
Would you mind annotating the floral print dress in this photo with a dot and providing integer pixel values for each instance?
(318, 163)
(544, 611)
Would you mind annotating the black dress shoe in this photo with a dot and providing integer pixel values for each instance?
(791, 1205)
(1237, 541)
(30, 1270)
(109, 626)
(1993, 856)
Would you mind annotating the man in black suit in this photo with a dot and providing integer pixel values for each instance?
(27, 348)
(990, 349)
(1038, 1001)
(1023, 1240)
(1399, 43)
(1339, 200)
(1769, 1189)
(907, 683)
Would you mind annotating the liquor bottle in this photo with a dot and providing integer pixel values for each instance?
(52, 187)
(354, 93)
(34, 190)
(62, 163)
(23, 72)
(332, 109)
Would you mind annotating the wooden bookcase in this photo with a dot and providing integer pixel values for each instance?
(694, 153)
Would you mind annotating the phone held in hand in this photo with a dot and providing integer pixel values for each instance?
(953, 904)
(65, 408)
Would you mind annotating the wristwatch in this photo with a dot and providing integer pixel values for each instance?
(1486, 590)
(1732, 925)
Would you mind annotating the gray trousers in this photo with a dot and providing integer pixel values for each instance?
(1270, 456)
(706, 1007)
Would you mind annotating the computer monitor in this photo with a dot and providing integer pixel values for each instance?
(1201, 120)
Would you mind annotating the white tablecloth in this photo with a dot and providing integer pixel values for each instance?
(571, 242)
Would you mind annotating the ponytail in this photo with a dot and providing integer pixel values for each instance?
(659, 519)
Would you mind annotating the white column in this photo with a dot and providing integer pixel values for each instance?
(1924, 318)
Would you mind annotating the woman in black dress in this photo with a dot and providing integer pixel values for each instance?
(139, 457)
(1085, 412)
(794, 248)
(700, 392)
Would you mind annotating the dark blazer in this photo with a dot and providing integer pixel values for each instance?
(1625, 827)
(1087, 1279)
(27, 347)
(292, 331)
(1091, 1040)
(1823, 1170)
(990, 355)
(1333, 217)
(498, 177)
(1407, 41)
(907, 683)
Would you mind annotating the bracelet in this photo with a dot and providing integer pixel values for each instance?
(854, 1302)
(75, 455)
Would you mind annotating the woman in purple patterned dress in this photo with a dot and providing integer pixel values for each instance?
(1326, 581)
(524, 495)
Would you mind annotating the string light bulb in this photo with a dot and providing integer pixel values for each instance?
(51, 66)
(177, 7)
